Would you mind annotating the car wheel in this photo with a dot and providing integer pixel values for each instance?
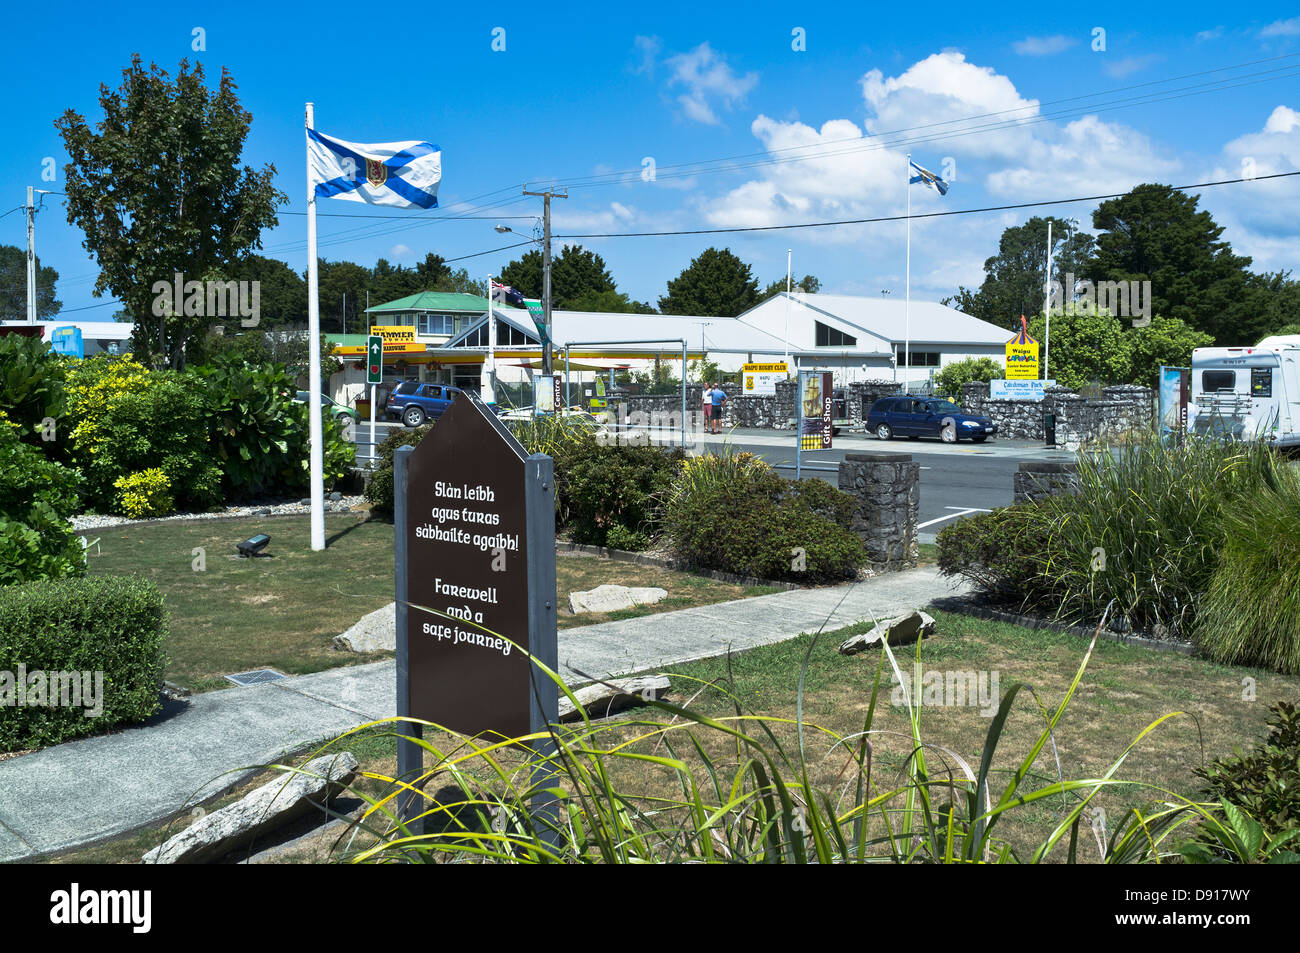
(948, 434)
(884, 431)
(413, 416)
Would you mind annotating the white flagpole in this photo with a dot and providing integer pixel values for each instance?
(490, 390)
(787, 309)
(907, 294)
(317, 461)
(1047, 301)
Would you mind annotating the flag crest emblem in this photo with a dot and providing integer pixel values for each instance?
(376, 172)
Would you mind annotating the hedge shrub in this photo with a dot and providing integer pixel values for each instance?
(107, 624)
(618, 488)
(260, 436)
(735, 514)
(36, 498)
(1265, 782)
(1005, 554)
(144, 494)
(379, 491)
(31, 386)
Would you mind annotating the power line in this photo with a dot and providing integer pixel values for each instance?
(878, 142)
(899, 218)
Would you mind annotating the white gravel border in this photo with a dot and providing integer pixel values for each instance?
(334, 503)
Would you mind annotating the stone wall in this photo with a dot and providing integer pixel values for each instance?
(887, 487)
(862, 394)
(1039, 478)
(1121, 409)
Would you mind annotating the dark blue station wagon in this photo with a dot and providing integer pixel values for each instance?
(413, 402)
(916, 417)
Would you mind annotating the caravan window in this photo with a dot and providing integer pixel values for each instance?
(1218, 380)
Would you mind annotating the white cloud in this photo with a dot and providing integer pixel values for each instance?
(709, 80)
(1084, 157)
(858, 173)
(400, 251)
(1043, 45)
(648, 47)
(1282, 120)
(1207, 35)
(1128, 65)
(614, 217)
(1289, 27)
(1259, 217)
(944, 92)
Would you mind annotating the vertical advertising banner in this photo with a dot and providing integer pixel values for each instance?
(1175, 387)
(816, 410)
(544, 393)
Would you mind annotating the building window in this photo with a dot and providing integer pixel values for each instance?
(828, 336)
(437, 324)
(918, 358)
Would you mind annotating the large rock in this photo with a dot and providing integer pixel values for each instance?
(606, 698)
(279, 801)
(375, 632)
(902, 629)
(613, 598)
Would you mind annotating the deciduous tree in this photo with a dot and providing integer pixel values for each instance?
(157, 188)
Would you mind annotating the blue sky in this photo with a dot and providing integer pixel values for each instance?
(579, 95)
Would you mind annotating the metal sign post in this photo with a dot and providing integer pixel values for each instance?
(374, 376)
(475, 581)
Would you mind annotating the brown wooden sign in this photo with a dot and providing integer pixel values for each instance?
(479, 576)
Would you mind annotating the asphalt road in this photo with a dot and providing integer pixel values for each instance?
(956, 479)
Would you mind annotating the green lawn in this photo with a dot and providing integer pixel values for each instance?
(1124, 689)
(283, 611)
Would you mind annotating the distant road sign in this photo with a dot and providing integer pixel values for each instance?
(374, 359)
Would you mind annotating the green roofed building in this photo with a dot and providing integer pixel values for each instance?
(437, 316)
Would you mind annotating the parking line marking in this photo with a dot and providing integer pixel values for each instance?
(950, 516)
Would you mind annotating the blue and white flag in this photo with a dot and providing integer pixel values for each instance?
(929, 178)
(403, 174)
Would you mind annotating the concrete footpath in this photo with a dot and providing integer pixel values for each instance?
(85, 791)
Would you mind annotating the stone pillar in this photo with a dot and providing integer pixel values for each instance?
(785, 395)
(887, 487)
(1037, 479)
(973, 396)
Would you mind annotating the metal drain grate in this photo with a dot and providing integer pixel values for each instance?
(255, 678)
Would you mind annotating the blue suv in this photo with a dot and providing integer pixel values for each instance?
(915, 417)
(413, 402)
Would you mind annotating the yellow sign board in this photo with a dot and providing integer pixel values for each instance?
(394, 332)
(1022, 358)
(762, 378)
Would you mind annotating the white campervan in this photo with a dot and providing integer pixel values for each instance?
(1251, 393)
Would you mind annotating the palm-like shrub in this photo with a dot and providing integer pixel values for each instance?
(1148, 527)
(1250, 612)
